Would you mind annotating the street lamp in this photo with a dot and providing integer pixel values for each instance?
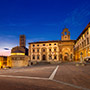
(81, 59)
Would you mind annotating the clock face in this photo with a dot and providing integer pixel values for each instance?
(65, 37)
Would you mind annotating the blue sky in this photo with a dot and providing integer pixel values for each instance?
(41, 20)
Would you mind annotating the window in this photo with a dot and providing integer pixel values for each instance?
(87, 40)
(22, 40)
(33, 45)
(71, 50)
(71, 56)
(82, 44)
(43, 50)
(5, 63)
(50, 57)
(12, 58)
(15, 58)
(55, 57)
(55, 44)
(37, 50)
(55, 49)
(38, 57)
(37, 45)
(65, 33)
(60, 56)
(43, 44)
(49, 44)
(33, 50)
(60, 50)
(33, 56)
(85, 35)
(50, 50)
(21, 58)
(87, 32)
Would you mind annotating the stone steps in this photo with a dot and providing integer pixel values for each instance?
(43, 63)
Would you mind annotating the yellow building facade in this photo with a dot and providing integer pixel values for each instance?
(64, 50)
(82, 45)
(5, 62)
(53, 51)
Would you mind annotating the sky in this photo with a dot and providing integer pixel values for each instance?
(40, 20)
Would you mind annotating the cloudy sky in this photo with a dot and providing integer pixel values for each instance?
(40, 20)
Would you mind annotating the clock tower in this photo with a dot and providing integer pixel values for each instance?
(65, 34)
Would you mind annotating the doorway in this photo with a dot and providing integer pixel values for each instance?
(44, 57)
(66, 57)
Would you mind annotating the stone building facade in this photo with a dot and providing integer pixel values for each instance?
(19, 54)
(49, 51)
(63, 50)
(82, 45)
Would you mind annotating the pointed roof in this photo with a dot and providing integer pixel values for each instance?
(84, 30)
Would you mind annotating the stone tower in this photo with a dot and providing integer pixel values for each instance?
(65, 34)
(22, 41)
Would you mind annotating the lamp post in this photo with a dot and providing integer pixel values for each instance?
(81, 59)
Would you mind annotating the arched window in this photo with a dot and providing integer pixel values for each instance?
(55, 57)
(37, 50)
(55, 49)
(37, 56)
(50, 57)
(33, 56)
(61, 56)
(65, 33)
(33, 50)
(50, 50)
(71, 56)
(43, 50)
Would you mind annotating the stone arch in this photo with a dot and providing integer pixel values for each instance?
(66, 54)
(66, 57)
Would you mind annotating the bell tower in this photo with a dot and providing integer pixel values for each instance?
(22, 41)
(65, 34)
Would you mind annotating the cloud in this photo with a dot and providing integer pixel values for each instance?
(7, 42)
(6, 48)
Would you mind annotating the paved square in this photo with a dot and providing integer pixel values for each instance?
(46, 77)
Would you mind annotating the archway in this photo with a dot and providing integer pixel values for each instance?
(66, 57)
(44, 57)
